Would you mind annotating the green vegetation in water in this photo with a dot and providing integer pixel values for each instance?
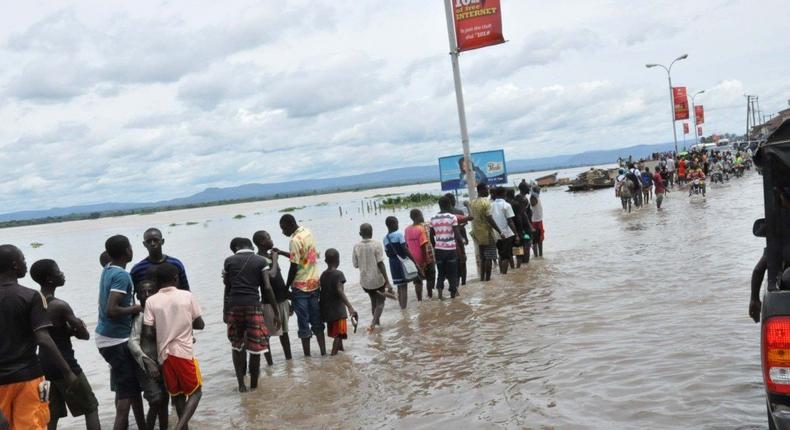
(291, 209)
(416, 199)
(322, 204)
(173, 224)
(239, 216)
(35, 245)
(192, 223)
(381, 196)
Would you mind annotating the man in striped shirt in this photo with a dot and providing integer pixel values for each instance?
(444, 227)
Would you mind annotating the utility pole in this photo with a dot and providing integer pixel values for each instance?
(459, 98)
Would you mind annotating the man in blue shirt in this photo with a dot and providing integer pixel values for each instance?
(116, 309)
(153, 242)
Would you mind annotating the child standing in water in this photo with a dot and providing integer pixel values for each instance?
(170, 318)
(418, 238)
(263, 241)
(79, 398)
(395, 248)
(368, 257)
(243, 275)
(334, 301)
(144, 353)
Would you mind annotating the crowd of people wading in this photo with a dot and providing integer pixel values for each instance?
(636, 185)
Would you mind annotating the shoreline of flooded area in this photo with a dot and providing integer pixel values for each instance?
(630, 321)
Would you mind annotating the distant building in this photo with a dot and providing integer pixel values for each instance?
(761, 131)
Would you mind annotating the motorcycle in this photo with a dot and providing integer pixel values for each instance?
(739, 170)
(696, 188)
(717, 177)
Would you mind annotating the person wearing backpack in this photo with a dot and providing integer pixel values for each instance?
(634, 175)
(623, 188)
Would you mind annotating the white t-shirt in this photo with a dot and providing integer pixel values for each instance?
(670, 165)
(537, 211)
(501, 211)
(366, 257)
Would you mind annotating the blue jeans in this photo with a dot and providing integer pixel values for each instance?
(308, 312)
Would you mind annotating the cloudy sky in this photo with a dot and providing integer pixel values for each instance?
(138, 101)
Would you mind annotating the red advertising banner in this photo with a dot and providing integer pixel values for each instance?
(699, 130)
(699, 114)
(685, 128)
(681, 102)
(478, 23)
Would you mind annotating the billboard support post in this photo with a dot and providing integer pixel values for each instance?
(459, 97)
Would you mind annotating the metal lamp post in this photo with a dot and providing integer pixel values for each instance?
(671, 101)
(694, 109)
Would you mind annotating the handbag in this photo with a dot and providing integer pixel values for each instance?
(410, 272)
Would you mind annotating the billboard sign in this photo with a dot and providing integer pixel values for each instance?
(681, 103)
(478, 23)
(489, 167)
(699, 114)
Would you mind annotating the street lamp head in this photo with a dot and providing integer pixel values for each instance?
(682, 57)
(650, 65)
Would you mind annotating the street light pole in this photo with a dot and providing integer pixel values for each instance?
(694, 109)
(671, 99)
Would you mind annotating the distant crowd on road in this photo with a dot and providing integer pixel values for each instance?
(636, 184)
(147, 316)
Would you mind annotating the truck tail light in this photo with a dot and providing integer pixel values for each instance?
(776, 354)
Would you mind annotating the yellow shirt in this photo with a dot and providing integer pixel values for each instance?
(304, 254)
(480, 209)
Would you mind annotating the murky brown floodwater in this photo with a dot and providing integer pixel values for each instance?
(630, 321)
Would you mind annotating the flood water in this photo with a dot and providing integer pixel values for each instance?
(630, 321)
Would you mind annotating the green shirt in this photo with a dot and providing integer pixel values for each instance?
(482, 232)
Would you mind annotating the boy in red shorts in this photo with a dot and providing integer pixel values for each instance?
(170, 317)
(334, 301)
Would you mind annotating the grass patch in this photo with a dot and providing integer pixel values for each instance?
(415, 199)
(35, 245)
(173, 224)
(239, 216)
(192, 223)
(322, 204)
(291, 209)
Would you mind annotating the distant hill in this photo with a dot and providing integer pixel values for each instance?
(405, 175)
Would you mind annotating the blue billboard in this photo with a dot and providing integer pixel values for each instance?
(489, 168)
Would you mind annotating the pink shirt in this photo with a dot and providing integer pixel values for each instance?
(443, 230)
(415, 239)
(171, 311)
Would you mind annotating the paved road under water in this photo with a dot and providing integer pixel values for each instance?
(630, 321)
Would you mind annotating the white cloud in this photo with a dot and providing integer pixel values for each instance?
(143, 101)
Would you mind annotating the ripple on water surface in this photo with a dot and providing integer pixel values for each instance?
(630, 321)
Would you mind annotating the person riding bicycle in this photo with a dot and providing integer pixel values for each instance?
(696, 174)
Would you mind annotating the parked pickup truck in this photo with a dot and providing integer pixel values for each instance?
(773, 161)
